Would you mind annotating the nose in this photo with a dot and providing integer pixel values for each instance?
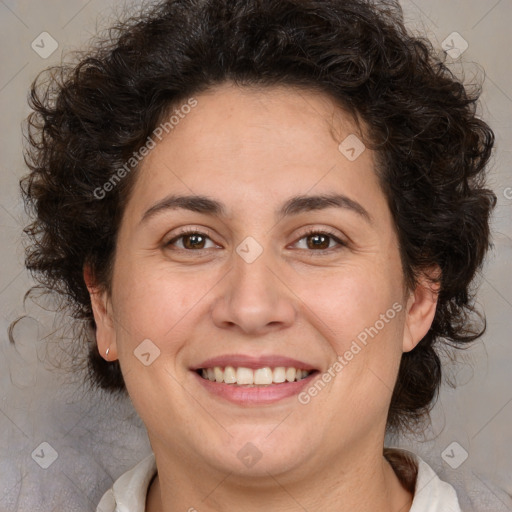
(254, 299)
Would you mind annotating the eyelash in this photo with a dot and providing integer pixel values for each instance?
(310, 232)
(324, 232)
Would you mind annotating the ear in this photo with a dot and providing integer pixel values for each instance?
(105, 332)
(421, 308)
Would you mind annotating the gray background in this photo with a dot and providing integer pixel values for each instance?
(96, 438)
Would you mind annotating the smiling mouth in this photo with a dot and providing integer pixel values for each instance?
(247, 377)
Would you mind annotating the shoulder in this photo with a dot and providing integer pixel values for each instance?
(431, 494)
(128, 494)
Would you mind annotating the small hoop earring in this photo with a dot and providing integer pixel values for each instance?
(107, 351)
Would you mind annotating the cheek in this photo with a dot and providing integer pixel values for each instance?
(360, 315)
(153, 302)
(348, 303)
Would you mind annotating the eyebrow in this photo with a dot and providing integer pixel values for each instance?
(293, 206)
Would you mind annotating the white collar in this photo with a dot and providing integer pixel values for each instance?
(128, 494)
(431, 494)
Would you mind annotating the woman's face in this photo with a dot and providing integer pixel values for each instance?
(248, 287)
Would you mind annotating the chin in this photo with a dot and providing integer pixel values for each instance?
(258, 452)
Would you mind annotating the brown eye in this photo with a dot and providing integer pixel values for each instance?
(195, 241)
(319, 241)
(190, 241)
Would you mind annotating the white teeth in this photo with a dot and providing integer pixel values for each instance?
(263, 376)
(244, 376)
(260, 377)
(279, 374)
(229, 375)
(219, 374)
(290, 374)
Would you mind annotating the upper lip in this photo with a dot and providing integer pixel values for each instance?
(246, 361)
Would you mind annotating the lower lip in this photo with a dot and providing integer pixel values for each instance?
(257, 395)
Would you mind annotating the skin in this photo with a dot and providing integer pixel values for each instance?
(252, 150)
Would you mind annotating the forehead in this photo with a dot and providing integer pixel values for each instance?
(255, 119)
(261, 144)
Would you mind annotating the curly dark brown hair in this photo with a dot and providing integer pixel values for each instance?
(90, 116)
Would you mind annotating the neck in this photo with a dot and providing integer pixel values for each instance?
(366, 484)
